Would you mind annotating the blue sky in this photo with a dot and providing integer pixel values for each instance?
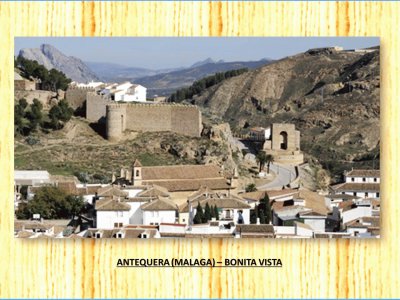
(161, 52)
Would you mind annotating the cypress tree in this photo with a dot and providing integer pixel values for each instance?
(207, 213)
(216, 212)
(199, 217)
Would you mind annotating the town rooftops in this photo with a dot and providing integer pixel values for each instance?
(109, 191)
(254, 228)
(356, 187)
(230, 202)
(159, 204)
(181, 172)
(111, 205)
(363, 173)
(153, 191)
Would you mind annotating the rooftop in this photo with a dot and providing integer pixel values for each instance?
(363, 173)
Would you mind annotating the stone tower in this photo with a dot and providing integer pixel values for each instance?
(116, 121)
(284, 144)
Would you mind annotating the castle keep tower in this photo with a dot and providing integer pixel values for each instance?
(284, 144)
(116, 121)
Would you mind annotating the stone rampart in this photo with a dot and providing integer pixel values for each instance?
(76, 96)
(179, 118)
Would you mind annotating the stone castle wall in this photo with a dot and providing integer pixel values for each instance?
(76, 96)
(24, 85)
(182, 119)
(96, 107)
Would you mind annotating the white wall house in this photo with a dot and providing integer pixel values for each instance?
(111, 213)
(112, 219)
(156, 217)
(162, 210)
(359, 183)
(126, 91)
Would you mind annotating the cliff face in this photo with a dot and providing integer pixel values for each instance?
(50, 57)
(331, 96)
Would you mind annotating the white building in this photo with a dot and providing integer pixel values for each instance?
(127, 92)
(111, 213)
(159, 211)
(359, 183)
(92, 84)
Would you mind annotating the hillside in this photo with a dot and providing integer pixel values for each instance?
(166, 83)
(331, 96)
(77, 148)
(50, 58)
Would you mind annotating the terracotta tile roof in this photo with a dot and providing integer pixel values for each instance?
(363, 173)
(314, 201)
(356, 187)
(153, 191)
(192, 184)
(230, 202)
(254, 196)
(31, 225)
(111, 205)
(109, 191)
(160, 204)
(183, 172)
(254, 228)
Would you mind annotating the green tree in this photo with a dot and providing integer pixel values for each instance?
(207, 213)
(253, 216)
(216, 212)
(199, 216)
(60, 114)
(52, 203)
(212, 211)
(261, 158)
(35, 115)
(251, 188)
(265, 208)
(262, 217)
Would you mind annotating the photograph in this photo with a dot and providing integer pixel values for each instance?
(196, 137)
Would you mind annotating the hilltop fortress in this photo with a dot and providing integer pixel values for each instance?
(118, 117)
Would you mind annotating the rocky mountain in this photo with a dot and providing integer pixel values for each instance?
(51, 57)
(109, 72)
(331, 96)
(168, 82)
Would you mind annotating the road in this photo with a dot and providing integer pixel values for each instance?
(284, 175)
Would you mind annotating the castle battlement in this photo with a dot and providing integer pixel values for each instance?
(136, 104)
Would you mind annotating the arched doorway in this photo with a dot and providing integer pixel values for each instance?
(283, 140)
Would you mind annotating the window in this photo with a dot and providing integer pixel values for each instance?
(137, 173)
(366, 195)
(183, 220)
(144, 236)
(377, 195)
(352, 179)
(364, 179)
(97, 235)
(375, 179)
(354, 194)
(119, 235)
(118, 225)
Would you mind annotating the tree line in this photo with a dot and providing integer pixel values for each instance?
(50, 80)
(51, 203)
(200, 85)
(263, 211)
(28, 118)
(206, 215)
